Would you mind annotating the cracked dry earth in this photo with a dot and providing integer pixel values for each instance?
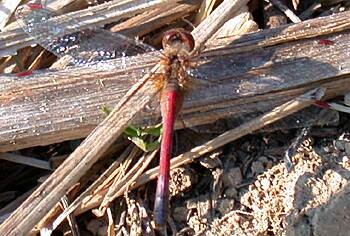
(252, 193)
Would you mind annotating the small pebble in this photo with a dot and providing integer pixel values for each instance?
(232, 177)
(347, 148)
(180, 214)
(257, 168)
(225, 205)
(263, 159)
(231, 193)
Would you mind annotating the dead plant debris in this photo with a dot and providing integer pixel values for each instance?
(241, 188)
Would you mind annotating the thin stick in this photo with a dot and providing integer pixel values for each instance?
(292, 149)
(310, 10)
(283, 8)
(26, 160)
(71, 217)
(110, 228)
(204, 10)
(214, 21)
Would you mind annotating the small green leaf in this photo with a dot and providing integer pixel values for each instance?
(132, 131)
(155, 130)
(153, 146)
(139, 142)
(145, 146)
(139, 135)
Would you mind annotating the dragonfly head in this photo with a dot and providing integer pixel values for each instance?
(179, 40)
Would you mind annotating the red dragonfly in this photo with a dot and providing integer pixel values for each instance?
(97, 47)
(100, 49)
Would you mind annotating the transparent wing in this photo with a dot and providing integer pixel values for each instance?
(89, 47)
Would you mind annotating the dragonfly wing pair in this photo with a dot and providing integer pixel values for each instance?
(93, 47)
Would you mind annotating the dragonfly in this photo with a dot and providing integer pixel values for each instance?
(97, 48)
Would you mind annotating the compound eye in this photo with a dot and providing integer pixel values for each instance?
(178, 36)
